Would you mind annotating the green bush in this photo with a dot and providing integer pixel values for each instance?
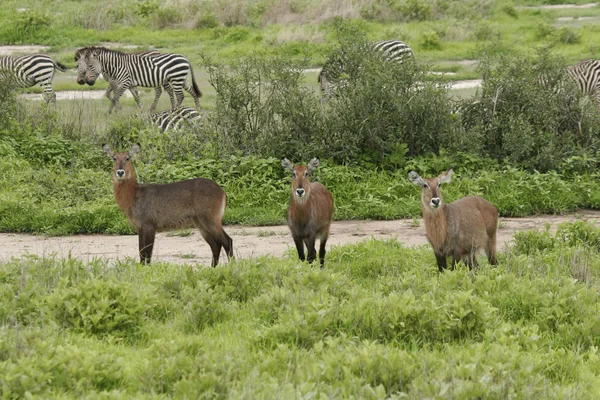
(102, 308)
(431, 41)
(528, 111)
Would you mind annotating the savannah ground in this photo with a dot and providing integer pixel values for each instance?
(81, 318)
(250, 242)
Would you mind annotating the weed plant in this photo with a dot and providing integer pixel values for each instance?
(378, 322)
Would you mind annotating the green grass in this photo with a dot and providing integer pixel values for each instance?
(52, 185)
(64, 27)
(379, 321)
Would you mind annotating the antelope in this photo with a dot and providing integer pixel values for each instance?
(152, 208)
(310, 211)
(458, 229)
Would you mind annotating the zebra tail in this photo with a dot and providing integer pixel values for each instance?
(61, 67)
(194, 85)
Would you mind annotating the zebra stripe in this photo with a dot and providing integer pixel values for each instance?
(586, 75)
(27, 71)
(176, 119)
(113, 83)
(389, 50)
(148, 69)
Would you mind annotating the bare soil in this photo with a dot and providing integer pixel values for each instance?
(188, 247)
(558, 6)
(72, 95)
(26, 49)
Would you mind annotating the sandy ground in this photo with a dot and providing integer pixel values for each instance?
(72, 95)
(99, 94)
(27, 49)
(559, 6)
(249, 242)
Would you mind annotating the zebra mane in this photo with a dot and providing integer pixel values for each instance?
(84, 51)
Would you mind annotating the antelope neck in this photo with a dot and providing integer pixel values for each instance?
(436, 225)
(125, 191)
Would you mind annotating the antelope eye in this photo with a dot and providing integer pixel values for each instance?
(127, 158)
(114, 158)
(425, 186)
(294, 173)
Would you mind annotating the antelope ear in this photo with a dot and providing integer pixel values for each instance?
(313, 164)
(446, 177)
(108, 151)
(416, 179)
(135, 149)
(286, 164)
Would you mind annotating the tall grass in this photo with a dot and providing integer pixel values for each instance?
(378, 322)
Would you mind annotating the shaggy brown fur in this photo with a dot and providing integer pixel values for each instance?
(153, 208)
(458, 229)
(310, 211)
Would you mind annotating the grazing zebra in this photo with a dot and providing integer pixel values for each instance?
(389, 50)
(175, 119)
(27, 71)
(126, 70)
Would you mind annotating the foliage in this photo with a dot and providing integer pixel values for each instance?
(378, 322)
(101, 308)
(528, 111)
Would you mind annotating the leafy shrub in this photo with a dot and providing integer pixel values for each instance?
(565, 35)
(528, 110)
(167, 16)
(146, 8)
(431, 41)
(102, 308)
(206, 307)
(30, 26)
(264, 108)
(206, 20)
(379, 105)
(544, 30)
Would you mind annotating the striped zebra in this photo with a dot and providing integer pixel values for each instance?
(126, 70)
(334, 68)
(586, 76)
(112, 84)
(27, 71)
(175, 119)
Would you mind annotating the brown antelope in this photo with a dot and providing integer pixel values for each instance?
(458, 229)
(310, 212)
(153, 208)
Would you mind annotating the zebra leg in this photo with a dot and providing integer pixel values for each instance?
(109, 90)
(49, 96)
(178, 92)
(157, 93)
(136, 95)
(171, 93)
(188, 88)
(119, 90)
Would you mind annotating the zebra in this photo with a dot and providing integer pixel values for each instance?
(112, 84)
(176, 118)
(27, 71)
(586, 75)
(126, 70)
(389, 50)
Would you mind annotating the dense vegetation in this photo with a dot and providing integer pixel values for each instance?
(527, 147)
(442, 31)
(379, 322)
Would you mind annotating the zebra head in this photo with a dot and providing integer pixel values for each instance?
(89, 67)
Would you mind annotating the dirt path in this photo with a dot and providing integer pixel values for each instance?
(249, 241)
(72, 95)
